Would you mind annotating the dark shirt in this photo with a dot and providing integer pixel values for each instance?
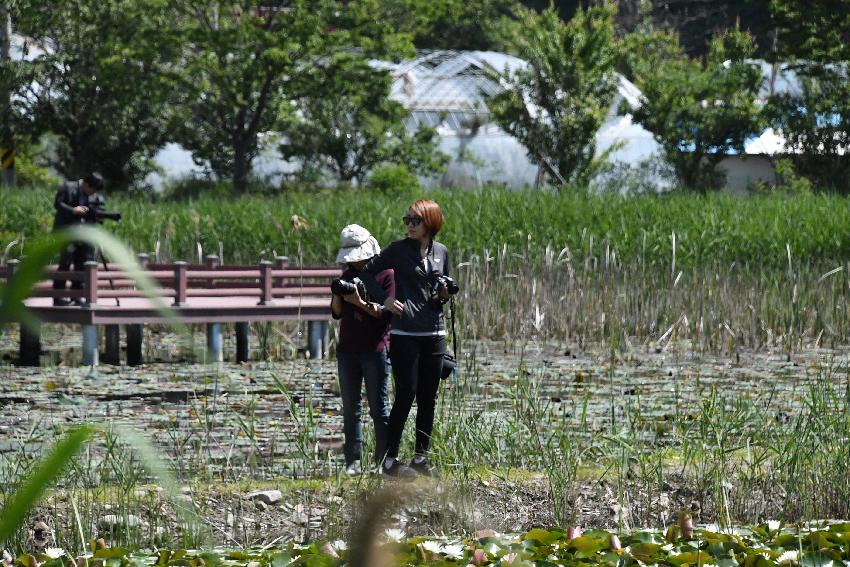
(69, 195)
(415, 287)
(359, 331)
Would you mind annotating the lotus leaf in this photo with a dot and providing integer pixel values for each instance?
(546, 537)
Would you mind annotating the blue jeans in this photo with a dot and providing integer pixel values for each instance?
(355, 368)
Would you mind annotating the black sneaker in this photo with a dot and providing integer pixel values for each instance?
(423, 469)
(80, 302)
(399, 470)
(61, 302)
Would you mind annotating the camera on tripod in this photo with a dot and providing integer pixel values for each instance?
(96, 212)
(345, 287)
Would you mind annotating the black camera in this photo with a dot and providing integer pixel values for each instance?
(448, 283)
(437, 282)
(344, 287)
(96, 212)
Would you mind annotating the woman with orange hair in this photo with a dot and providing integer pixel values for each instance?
(418, 336)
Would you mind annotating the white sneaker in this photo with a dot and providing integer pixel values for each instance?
(353, 468)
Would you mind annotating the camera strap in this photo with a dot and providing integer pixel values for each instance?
(454, 332)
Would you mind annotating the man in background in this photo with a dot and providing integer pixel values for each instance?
(75, 203)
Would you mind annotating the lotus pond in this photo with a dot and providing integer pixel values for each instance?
(530, 435)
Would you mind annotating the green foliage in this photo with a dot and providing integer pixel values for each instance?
(29, 173)
(101, 86)
(816, 123)
(243, 59)
(344, 122)
(697, 111)
(51, 467)
(451, 24)
(787, 179)
(760, 546)
(556, 105)
(815, 31)
(392, 179)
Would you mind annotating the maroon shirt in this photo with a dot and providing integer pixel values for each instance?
(359, 331)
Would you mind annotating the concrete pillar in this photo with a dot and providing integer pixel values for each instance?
(242, 352)
(112, 346)
(90, 345)
(30, 345)
(317, 338)
(134, 345)
(215, 343)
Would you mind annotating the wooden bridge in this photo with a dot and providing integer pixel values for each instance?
(209, 293)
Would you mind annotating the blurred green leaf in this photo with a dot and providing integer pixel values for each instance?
(46, 472)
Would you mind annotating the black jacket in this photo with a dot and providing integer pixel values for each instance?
(69, 195)
(414, 287)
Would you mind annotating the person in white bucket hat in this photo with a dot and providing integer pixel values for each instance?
(362, 345)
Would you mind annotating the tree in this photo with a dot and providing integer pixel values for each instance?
(813, 49)
(698, 111)
(245, 56)
(344, 122)
(450, 24)
(101, 84)
(815, 31)
(556, 104)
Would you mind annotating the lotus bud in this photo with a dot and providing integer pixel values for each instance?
(479, 557)
(686, 525)
(614, 542)
(101, 544)
(7, 558)
(573, 532)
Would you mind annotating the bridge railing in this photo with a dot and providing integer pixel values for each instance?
(180, 281)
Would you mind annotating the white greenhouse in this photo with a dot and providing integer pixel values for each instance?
(447, 90)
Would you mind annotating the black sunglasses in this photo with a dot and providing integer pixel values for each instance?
(412, 221)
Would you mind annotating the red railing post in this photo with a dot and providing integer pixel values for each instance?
(179, 284)
(90, 282)
(265, 283)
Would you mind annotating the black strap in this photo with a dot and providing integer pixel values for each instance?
(454, 333)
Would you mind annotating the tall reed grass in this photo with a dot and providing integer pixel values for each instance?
(670, 232)
(721, 272)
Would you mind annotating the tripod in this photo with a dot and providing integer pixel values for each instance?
(111, 281)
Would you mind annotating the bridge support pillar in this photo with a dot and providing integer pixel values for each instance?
(90, 345)
(112, 346)
(215, 344)
(30, 346)
(134, 345)
(317, 338)
(242, 352)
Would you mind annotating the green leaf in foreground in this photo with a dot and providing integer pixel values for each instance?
(46, 473)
